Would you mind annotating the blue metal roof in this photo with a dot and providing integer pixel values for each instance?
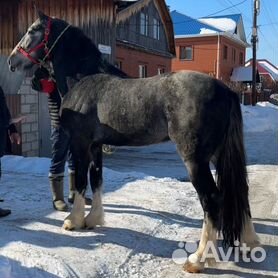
(234, 17)
(185, 25)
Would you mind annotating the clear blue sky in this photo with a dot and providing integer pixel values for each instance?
(267, 20)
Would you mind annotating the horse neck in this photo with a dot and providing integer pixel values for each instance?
(77, 54)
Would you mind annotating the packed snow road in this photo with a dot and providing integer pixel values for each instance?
(151, 212)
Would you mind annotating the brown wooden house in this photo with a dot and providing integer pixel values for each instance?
(145, 40)
(97, 19)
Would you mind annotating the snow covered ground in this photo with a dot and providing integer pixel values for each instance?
(150, 209)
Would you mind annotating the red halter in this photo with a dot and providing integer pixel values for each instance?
(42, 44)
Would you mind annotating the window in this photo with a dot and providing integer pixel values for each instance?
(241, 58)
(142, 71)
(144, 24)
(233, 55)
(225, 52)
(156, 31)
(186, 53)
(160, 71)
(119, 64)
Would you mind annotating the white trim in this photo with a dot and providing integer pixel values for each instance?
(224, 34)
(218, 57)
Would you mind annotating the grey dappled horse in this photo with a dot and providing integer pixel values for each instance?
(195, 111)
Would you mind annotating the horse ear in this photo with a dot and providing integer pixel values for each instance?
(40, 14)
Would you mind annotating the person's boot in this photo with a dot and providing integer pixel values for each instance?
(88, 201)
(4, 212)
(57, 187)
(71, 187)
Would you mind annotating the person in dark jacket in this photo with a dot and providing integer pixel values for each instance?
(6, 125)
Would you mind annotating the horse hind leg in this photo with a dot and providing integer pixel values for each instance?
(196, 261)
(249, 236)
(96, 214)
(81, 158)
(208, 193)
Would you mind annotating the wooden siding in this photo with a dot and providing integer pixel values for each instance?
(95, 18)
(13, 102)
(8, 27)
(129, 30)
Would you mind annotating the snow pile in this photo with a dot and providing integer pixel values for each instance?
(207, 31)
(260, 118)
(147, 218)
(224, 24)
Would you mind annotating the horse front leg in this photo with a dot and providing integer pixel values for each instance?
(96, 214)
(76, 219)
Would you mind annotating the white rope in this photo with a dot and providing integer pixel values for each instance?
(43, 62)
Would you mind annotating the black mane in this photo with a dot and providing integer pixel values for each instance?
(75, 55)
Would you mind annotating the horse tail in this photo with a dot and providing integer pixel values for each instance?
(232, 178)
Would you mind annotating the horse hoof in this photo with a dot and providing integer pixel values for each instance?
(192, 265)
(93, 220)
(250, 246)
(191, 268)
(69, 225)
(211, 262)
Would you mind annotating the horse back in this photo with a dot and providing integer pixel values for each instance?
(145, 111)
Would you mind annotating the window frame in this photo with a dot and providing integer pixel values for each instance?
(185, 57)
(144, 24)
(143, 73)
(161, 70)
(241, 58)
(225, 52)
(156, 29)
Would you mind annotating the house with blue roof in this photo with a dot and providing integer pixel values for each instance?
(213, 45)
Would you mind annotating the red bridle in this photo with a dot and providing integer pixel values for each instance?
(42, 44)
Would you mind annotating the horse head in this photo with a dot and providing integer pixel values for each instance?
(35, 46)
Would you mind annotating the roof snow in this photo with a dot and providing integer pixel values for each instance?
(224, 24)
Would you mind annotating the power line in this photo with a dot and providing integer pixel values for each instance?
(250, 20)
(234, 5)
(268, 24)
(192, 19)
(270, 17)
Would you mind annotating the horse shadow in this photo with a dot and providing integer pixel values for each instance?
(166, 217)
(138, 241)
(247, 269)
(14, 269)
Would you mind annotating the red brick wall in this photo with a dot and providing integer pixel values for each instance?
(226, 66)
(205, 56)
(131, 59)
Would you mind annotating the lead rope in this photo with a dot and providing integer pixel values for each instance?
(53, 45)
(49, 66)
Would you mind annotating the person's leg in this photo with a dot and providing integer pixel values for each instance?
(60, 145)
(3, 212)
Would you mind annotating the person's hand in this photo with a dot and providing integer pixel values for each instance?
(18, 119)
(15, 138)
(36, 85)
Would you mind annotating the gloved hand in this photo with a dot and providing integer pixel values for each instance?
(42, 82)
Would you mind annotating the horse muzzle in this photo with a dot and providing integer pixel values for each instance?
(12, 66)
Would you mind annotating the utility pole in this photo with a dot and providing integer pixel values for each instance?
(254, 41)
